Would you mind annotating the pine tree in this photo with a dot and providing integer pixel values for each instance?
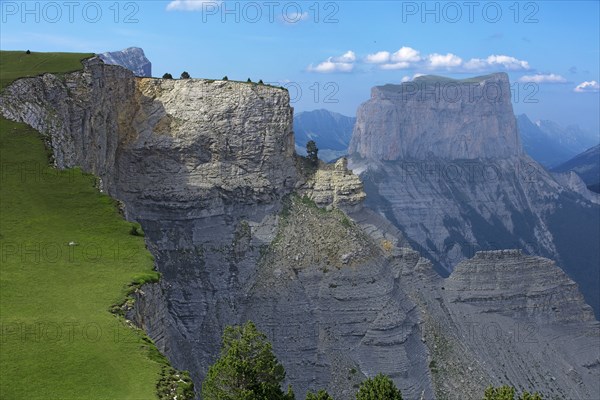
(379, 388)
(312, 152)
(247, 368)
(185, 75)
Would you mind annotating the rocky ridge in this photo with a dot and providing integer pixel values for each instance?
(442, 160)
(334, 187)
(208, 169)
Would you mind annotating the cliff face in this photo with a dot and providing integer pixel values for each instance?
(204, 167)
(438, 117)
(208, 169)
(449, 171)
(503, 316)
(166, 141)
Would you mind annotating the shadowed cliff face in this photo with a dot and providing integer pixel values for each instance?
(442, 159)
(204, 167)
(207, 168)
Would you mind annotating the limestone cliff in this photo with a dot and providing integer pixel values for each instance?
(506, 317)
(334, 187)
(438, 117)
(208, 169)
(442, 160)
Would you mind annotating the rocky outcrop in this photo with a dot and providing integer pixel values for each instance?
(438, 117)
(442, 160)
(132, 58)
(334, 186)
(574, 182)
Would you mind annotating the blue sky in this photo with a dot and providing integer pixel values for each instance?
(329, 54)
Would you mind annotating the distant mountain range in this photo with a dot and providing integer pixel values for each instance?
(545, 141)
(330, 131)
(586, 165)
(549, 143)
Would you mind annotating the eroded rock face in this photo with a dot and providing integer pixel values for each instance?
(208, 169)
(438, 117)
(335, 187)
(503, 316)
(447, 168)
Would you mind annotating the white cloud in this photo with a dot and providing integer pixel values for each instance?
(406, 54)
(378, 58)
(343, 63)
(508, 62)
(495, 61)
(409, 58)
(191, 5)
(476, 64)
(347, 57)
(444, 61)
(398, 65)
(541, 78)
(587, 86)
(408, 78)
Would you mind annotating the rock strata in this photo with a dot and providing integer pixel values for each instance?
(442, 160)
(208, 169)
(335, 186)
(438, 117)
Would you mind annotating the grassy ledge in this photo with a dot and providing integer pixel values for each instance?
(66, 257)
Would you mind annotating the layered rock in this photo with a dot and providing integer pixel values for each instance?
(207, 168)
(334, 187)
(506, 317)
(442, 160)
(438, 117)
(132, 58)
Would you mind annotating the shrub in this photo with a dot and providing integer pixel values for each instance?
(185, 75)
(508, 393)
(136, 229)
(225, 78)
(379, 388)
(321, 395)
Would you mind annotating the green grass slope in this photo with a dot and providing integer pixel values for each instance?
(59, 339)
(17, 64)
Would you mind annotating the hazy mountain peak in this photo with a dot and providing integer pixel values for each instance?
(132, 58)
